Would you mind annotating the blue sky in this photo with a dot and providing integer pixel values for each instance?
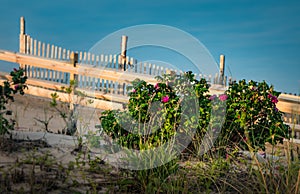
(260, 39)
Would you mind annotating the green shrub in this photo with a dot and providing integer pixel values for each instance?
(246, 115)
(252, 118)
(67, 108)
(155, 112)
(7, 90)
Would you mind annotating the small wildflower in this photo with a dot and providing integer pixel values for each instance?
(252, 88)
(261, 98)
(165, 99)
(133, 90)
(227, 156)
(212, 97)
(223, 97)
(16, 86)
(15, 70)
(156, 86)
(273, 136)
(262, 154)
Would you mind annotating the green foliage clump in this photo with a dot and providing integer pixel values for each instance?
(252, 118)
(155, 113)
(67, 108)
(7, 90)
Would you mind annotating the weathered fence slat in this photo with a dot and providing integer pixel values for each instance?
(39, 48)
(48, 51)
(43, 50)
(31, 46)
(59, 52)
(34, 47)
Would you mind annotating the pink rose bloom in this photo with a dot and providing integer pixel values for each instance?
(133, 90)
(156, 86)
(223, 97)
(270, 96)
(165, 99)
(273, 98)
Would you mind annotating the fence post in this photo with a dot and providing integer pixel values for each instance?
(74, 77)
(123, 51)
(22, 39)
(73, 60)
(222, 69)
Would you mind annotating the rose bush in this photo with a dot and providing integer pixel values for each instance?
(154, 111)
(252, 118)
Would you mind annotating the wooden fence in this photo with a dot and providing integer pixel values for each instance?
(34, 47)
(290, 105)
(102, 77)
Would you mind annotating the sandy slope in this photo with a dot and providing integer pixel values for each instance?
(22, 158)
(28, 109)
